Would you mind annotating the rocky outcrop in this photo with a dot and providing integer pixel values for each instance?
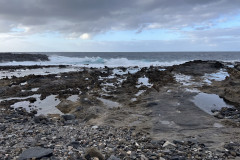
(197, 67)
(9, 57)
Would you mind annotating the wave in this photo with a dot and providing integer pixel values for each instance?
(110, 62)
(95, 62)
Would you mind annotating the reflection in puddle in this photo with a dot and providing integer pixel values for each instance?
(219, 76)
(73, 98)
(39, 71)
(109, 103)
(217, 125)
(208, 102)
(139, 92)
(34, 89)
(184, 79)
(45, 107)
(165, 122)
(144, 81)
(133, 99)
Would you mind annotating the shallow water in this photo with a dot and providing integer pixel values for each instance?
(39, 71)
(109, 103)
(139, 92)
(218, 76)
(73, 98)
(208, 102)
(45, 107)
(144, 81)
(143, 59)
(184, 79)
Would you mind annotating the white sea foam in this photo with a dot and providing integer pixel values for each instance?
(38, 71)
(94, 62)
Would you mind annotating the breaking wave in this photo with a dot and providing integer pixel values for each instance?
(96, 62)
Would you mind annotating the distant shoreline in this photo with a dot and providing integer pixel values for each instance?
(10, 57)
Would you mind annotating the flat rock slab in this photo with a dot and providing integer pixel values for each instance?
(36, 152)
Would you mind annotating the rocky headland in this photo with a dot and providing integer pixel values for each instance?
(9, 57)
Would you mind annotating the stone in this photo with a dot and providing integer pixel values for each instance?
(112, 157)
(67, 117)
(35, 152)
(234, 154)
(152, 104)
(143, 157)
(167, 143)
(94, 127)
(92, 153)
(129, 152)
(177, 158)
(74, 144)
(178, 142)
(2, 128)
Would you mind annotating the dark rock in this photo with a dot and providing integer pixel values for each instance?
(68, 117)
(177, 158)
(152, 104)
(234, 154)
(36, 152)
(34, 112)
(112, 157)
(2, 128)
(219, 116)
(93, 152)
(32, 100)
(69, 122)
(178, 142)
(74, 144)
(8, 57)
(41, 119)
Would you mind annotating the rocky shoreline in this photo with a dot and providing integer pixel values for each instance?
(9, 57)
(120, 113)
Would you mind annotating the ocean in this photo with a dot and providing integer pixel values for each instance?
(126, 59)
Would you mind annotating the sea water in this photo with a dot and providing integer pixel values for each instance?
(126, 59)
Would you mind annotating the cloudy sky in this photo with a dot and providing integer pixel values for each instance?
(119, 25)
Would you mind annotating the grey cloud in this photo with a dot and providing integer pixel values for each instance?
(96, 16)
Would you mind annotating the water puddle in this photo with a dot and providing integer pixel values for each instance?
(165, 122)
(23, 84)
(73, 98)
(208, 102)
(34, 89)
(109, 103)
(184, 79)
(144, 81)
(217, 125)
(45, 107)
(39, 71)
(133, 99)
(119, 72)
(139, 92)
(8, 99)
(218, 76)
(192, 90)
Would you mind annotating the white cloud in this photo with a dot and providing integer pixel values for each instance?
(85, 36)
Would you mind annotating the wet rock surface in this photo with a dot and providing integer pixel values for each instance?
(120, 113)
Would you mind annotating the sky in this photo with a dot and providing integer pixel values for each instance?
(119, 25)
